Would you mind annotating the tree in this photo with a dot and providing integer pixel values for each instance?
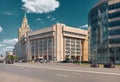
(11, 57)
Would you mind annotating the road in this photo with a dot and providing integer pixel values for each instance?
(53, 72)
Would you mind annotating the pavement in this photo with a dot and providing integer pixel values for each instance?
(56, 72)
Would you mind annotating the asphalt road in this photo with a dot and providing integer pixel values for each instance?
(56, 73)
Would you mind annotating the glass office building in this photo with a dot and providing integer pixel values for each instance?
(104, 30)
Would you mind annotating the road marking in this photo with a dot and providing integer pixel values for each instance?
(77, 73)
(72, 70)
(60, 75)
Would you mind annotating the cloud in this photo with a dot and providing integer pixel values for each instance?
(7, 45)
(85, 27)
(40, 6)
(10, 41)
(38, 19)
(1, 29)
(7, 13)
(53, 19)
(49, 16)
(1, 45)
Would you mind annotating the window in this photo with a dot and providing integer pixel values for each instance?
(114, 23)
(114, 32)
(114, 41)
(114, 15)
(114, 6)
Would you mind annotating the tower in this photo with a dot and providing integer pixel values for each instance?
(24, 27)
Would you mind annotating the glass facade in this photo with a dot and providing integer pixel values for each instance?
(102, 48)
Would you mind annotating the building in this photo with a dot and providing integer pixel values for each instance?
(21, 32)
(55, 43)
(24, 27)
(104, 26)
(9, 53)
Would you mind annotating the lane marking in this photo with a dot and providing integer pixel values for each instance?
(60, 75)
(72, 70)
(77, 73)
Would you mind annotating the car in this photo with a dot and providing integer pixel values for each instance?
(41, 61)
(1, 61)
(94, 65)
(22, 61)
(109, 65)
(8, 61)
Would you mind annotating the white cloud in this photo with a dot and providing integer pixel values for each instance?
(49, 16)
(53, 18)
(85, 27)
(7, 45)
(38, 19)
(1, 45)
(10, 41)
(40, 6)
(7, 13)
(1, 29)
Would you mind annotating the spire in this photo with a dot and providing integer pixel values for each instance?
(24, 27)
(25, 15)
(25, 21)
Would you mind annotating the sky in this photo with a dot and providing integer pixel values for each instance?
(40, 14)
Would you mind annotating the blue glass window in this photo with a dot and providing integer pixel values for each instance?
(114, 6)
(114, 15)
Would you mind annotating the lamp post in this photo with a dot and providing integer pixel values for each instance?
(80, 60)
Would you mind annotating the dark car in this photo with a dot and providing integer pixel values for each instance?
(1, 61)
(94, 65)
(109, 65)
(8, 61)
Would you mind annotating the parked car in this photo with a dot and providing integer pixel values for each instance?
(41, 61)
(1, 61)
(109, 65)
(94, 65)
(22, 61)
(8, 61)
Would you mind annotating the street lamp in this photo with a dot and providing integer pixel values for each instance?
(80, 60)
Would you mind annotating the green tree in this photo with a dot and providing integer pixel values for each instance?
(11, 57)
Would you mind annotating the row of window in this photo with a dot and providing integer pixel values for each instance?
(115, 50)
(114, 23)
(114, 6)
(114, 41)
(114, 32)
(101, 50)
(114, 15)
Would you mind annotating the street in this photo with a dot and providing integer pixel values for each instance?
(55, 72)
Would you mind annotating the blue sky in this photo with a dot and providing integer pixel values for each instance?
(40, 14)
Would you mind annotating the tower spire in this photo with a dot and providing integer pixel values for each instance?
(24, 27)
(25, 21)
(25, 15)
